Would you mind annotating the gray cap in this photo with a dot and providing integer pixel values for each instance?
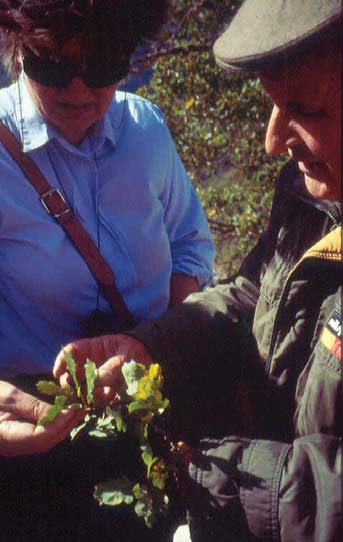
(262, 30)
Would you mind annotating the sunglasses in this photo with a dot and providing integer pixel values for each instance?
(58, 74)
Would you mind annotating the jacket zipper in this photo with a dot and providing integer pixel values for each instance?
(285, 292)
(335, 223)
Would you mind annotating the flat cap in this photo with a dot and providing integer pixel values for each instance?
(262, 30)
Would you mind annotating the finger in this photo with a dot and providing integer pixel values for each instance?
(51, 434)
(24, 438)
(60, 361)
(95, 348)
(25, 406)
(103, 396)
(110, 372)
(66, 380)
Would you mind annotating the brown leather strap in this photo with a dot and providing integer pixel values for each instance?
(55, 204)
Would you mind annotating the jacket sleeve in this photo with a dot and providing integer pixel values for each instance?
(202, 346)
(264, 490)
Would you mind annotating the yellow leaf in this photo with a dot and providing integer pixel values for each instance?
(155, 371)
(189, 103)
(211, 212)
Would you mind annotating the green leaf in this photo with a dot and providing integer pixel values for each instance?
(152, 403)
(158, 480)
(48, 387)
(144, 508)
(119, 422)
(91, 373)
(147, 458)
(104, 426)
(138, 492)
(150, 383)
(132, 373)
(71, 368)
(76, 432)
(87, 422)
(98, 433)
(158, 473)
(55, 409)
(114, 492)
(141, 507)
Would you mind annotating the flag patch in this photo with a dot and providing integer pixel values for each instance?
(332, 334)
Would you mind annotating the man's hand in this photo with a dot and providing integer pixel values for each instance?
(108, 352)
(19, 434)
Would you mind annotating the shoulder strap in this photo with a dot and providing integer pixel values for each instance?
(55, 204)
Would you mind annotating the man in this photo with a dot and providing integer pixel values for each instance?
(259, 359)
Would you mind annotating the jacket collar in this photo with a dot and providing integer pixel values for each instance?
(328, 248)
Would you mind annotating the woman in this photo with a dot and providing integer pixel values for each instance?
(112, 159)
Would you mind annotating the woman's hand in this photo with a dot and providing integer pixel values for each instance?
(108, 352)
(19, 434)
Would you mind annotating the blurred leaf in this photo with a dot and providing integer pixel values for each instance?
(218, 125)
(189, 103)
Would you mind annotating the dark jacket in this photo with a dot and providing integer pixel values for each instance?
(260, 359)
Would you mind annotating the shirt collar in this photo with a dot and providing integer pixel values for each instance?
(36, 132)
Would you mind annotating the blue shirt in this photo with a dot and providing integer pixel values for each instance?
(128, 187)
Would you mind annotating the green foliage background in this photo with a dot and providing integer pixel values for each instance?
(218, 124)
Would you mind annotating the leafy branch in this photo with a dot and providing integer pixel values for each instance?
(132, 411)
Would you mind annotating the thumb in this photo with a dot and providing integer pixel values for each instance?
(110, 372)
(109, 380)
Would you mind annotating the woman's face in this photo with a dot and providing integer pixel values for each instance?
(74, 109)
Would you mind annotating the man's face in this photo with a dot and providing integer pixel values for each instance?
(306, 118)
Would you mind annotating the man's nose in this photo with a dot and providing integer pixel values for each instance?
(277, 132)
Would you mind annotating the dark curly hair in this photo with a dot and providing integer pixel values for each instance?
(106, 26)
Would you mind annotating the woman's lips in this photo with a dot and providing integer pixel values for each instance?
(75, 107)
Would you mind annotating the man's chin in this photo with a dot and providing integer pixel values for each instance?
(323, 190)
